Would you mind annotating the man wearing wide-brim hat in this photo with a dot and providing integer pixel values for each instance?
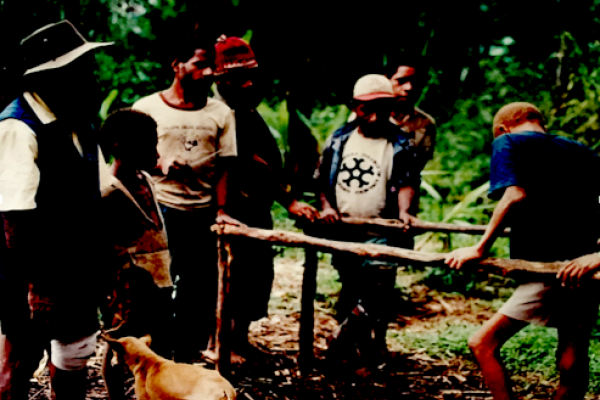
(49, 193)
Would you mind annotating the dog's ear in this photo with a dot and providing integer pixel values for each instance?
(146, 339)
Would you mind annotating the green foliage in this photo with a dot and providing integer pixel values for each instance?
(576, 112)
(531, 350)
(328, 285)
(248, 36)
(477, 285)
(323, 122)
(277, 117)
(107, 103)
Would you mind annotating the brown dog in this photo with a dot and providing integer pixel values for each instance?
(158, 378)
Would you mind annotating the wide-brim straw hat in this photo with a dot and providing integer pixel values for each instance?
(54, 46)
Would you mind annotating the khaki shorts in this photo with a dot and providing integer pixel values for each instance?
(549, 304)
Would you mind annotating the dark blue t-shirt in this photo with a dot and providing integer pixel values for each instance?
(558, 218)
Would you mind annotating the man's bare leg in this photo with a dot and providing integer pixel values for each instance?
(17, 365)
(239, 339)
(67, 385)
(573, 361)
(114, 376)
(485, 345)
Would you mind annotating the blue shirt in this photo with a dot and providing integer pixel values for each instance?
(557, 219)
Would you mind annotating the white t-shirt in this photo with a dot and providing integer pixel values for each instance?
(363, 174)
(194, 138)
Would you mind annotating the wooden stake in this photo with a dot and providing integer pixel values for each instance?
(223, 328)
(307, 315)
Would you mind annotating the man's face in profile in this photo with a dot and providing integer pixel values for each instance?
(404, 86)
(196, 74)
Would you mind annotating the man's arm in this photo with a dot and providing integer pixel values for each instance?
(224, 166)
(512, 195)
(303, 210)
(406, 196)
(17, 227)
(329, 214)
(283, 197)
(18, 187)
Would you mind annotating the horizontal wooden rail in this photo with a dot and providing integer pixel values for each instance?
(420, 226)
(293, 239)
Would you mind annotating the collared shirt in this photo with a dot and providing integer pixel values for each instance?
(404, 171)
(19, 173)
(420, 130)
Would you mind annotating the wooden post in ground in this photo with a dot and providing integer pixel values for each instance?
(223, 328)
(307, 315)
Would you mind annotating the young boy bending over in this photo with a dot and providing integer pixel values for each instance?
(541, 182)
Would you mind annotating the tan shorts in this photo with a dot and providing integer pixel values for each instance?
(549, 304)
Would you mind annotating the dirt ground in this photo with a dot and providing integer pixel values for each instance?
(275, 374)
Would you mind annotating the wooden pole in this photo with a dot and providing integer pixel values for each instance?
(307, 315)
(380, 251)
(223, 328)
(420, 226)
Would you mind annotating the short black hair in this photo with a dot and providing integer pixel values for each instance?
(185, 35)
(125, 128)
(395, 60)
(183, 50)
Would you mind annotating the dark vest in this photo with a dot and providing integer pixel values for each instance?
(67, 214)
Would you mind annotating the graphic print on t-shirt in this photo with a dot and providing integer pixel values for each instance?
(359, 173)
(189, 143)
(362, 177)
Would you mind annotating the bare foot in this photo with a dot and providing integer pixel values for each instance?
(211, 355)
(363, 372)
(237, 359)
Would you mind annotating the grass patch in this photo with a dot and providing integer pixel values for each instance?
(529, 355)
(328, 284)
(450, 341)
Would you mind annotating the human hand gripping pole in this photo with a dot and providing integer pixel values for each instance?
(303, 210)
(576, 271)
